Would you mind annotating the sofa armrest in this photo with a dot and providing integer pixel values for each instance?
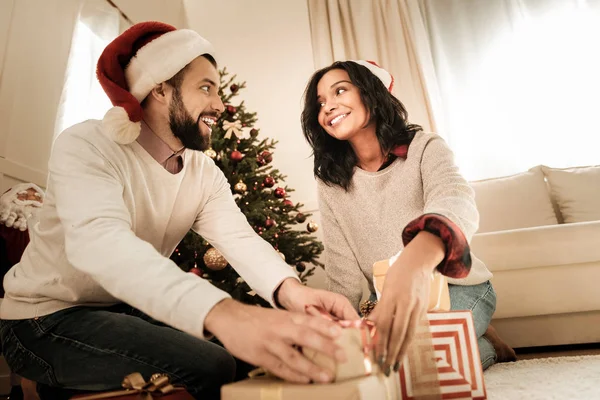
(538, 247)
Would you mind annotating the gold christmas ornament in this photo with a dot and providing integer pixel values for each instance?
(214, 259)
(210, 153)
(281, 255)
(240, 187)
(312, 226)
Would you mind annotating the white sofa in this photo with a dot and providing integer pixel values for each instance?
(540, 236)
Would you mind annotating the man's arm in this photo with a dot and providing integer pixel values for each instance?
(226, 228)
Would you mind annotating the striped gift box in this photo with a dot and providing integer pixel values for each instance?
(457, 362)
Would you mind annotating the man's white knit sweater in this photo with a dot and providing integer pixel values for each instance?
(111, 218)
(366, 224)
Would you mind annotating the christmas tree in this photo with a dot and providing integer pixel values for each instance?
(261, 194)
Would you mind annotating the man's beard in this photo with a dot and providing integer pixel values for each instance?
(184, 127)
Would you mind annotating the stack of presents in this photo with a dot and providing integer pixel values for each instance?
(441, 363)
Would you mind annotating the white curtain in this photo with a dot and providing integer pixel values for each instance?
(519, 81)
(385, 31)
(82, 97)
(34, 45)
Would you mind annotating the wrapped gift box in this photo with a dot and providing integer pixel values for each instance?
(357, 340)
(458, 368)
(373, 387)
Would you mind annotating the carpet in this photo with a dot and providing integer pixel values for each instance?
(545, 378)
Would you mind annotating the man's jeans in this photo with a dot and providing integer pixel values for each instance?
(481, 301)
(93, 349)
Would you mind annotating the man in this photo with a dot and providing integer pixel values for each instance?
(83, 306)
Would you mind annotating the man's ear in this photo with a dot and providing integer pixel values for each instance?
(160, 92)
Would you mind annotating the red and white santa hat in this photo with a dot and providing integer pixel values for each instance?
(382, 74)
(135, 62)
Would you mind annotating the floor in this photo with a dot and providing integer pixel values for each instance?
(533, 352)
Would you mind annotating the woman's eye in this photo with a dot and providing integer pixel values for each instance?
(321, 104)
(340, 90)
(206, 88)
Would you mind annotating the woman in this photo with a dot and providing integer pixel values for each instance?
(384, 185)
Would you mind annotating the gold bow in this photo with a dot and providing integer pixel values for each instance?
(234, 127)
(135, 384)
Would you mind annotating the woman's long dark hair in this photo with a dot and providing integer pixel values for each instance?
(334, 159)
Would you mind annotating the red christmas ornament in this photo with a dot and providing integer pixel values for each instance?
(254, 132)
(300, 267)
(196, 271)
(234, 88)
(269, 223)
(280, 192)
(288, 203)
(267, 156)
(236, 156)
(300, 218)
(269, 181)
(231, 109)
(260, 160)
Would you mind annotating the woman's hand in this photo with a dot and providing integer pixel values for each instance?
(405, 298)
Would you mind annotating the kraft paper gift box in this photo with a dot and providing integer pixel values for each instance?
(373, 387)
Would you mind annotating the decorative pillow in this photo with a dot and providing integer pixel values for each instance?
(514, 202)
(576, 191)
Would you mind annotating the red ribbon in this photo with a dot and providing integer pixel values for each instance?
(369, 336)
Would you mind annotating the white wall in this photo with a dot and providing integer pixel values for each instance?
(167, 11)
(267, 43)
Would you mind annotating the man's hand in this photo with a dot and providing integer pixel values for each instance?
(294, 296)
(268, 338)
(405, 298)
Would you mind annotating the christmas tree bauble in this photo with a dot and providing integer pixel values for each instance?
(300, 267)
(210, 153)
(267, 156)
(234, 88)
(231, 109)
(269, 181)
(236, 156)
(280, 193)
(288, 203)
(312, 226)
(214, 259)
(196, 271)
(281, 255)
(300, 218)
(269, 223)
(240, 187)
(254, 132)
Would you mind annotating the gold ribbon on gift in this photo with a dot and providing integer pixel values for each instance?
(134, 383)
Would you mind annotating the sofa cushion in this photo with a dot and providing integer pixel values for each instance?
(514, 202)
(576, 191)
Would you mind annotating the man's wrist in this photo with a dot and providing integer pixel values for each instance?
(217, 315)
(284, 294)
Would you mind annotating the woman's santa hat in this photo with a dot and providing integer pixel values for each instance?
(382, 74)
(135, 62)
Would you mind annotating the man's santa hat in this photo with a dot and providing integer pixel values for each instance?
(135, 62)
(382, 74)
